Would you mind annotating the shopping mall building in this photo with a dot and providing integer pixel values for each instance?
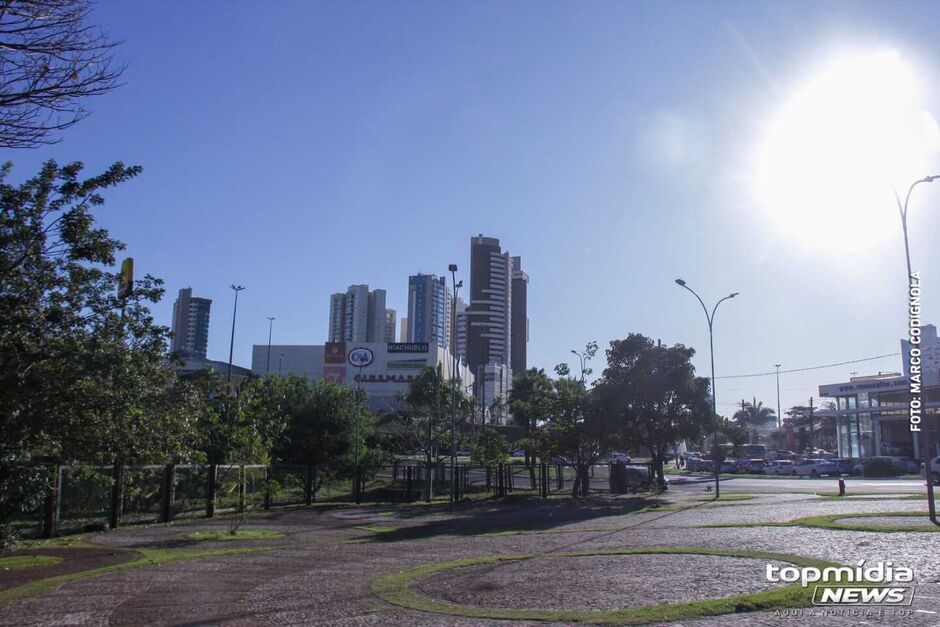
(384, 370)
(872, 414)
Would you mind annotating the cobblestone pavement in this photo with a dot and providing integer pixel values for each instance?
(321, 569)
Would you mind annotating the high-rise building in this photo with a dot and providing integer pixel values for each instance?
(191, 325)
(359, 315)
(519, 324)
(429, 310)
(489, 314)
(389, 325)
(403, 334)
(460, 342)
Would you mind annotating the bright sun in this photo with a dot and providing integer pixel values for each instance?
(834, 153)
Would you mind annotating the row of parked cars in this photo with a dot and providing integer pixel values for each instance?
(810, 466)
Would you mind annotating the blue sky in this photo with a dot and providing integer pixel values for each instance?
(298, 147)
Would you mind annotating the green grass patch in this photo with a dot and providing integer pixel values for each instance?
(150, 557)
(241, 534)
(376, 528)
(22, 562)
(397, 590)
(871, 496)
(831, 521)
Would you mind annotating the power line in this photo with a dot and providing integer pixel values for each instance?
(774, 372)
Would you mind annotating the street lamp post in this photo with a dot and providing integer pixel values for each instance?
(271, 320)
(231, 347)
(453, 387)
(779, 415)
(711, 345)
(581, 357)
(925, 447)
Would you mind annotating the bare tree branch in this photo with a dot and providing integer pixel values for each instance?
(50, 61)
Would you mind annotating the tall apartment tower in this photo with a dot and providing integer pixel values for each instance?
(429, 309)
(389, 325)
(519, 324)
(191, 325)
(490, 311)
(403, 333)
(358, 315)
(460, 341)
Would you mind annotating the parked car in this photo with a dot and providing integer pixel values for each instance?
(934, 469)
(781, 467)
(697, 464)
(910, 466)
(729, 465)
(554, 458)
(888, 466)
(755, 466)
(844, 464)
(618, 458)
(815, 468)
(781, 454)
(519, 452)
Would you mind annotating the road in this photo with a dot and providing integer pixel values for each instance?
(853, 485)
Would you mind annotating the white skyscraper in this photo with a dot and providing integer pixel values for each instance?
(359, 315)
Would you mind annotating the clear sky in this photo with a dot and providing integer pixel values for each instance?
(299, 147)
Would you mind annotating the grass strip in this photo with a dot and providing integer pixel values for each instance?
(22, 562)
(241, 534)
(396, 589)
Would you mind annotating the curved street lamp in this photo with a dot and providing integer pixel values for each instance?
(453, 387)
(925, 447)
(711, 345)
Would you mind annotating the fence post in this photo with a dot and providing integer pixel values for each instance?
(560, 474)
(242, 479)
(408, 479)
(509, 477)
(308, 485)
(267, 487)
(50, 508)
(213, 474)
(489, 483)
(117, 495)
(544, 480)
(169, 488)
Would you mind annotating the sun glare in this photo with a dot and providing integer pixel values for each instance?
(834, 153)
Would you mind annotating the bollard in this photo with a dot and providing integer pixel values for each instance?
(841, 486)
(50, 520)
(117, 496)
(211, 489)
(168, 496)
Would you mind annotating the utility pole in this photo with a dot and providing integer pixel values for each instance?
(779, 418)
(270, 331)
(812, 439)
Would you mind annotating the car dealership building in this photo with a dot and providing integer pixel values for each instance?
(872, 413)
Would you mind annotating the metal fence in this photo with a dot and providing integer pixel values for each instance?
(99, 497)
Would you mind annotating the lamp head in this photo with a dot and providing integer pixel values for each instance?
(932, 178)
(733, 294)
(680, 282)
(575, 352)
(459, 283)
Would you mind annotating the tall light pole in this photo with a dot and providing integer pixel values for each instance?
(711, 346)
(925, 447)
(779, 415)
(270, 331)
(581, 357)
(231, 346)
(453, 387)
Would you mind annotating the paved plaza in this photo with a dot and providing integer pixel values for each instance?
(513, 562)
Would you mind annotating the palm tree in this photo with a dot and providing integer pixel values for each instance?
(754, 414)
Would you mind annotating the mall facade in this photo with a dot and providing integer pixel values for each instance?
(383, 370)
(872, 415)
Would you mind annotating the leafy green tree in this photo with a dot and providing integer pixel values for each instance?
(733, 433)
(530, 401)
(653, 396)
(326, 424)
(426, 423)
(576, 429)
(754, 414)
(84, 374)
(489, 447)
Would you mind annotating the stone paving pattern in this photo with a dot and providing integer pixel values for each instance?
(320, 571)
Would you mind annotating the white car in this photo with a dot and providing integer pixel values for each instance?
(815, 468)
(781, 467)
(619, 458)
